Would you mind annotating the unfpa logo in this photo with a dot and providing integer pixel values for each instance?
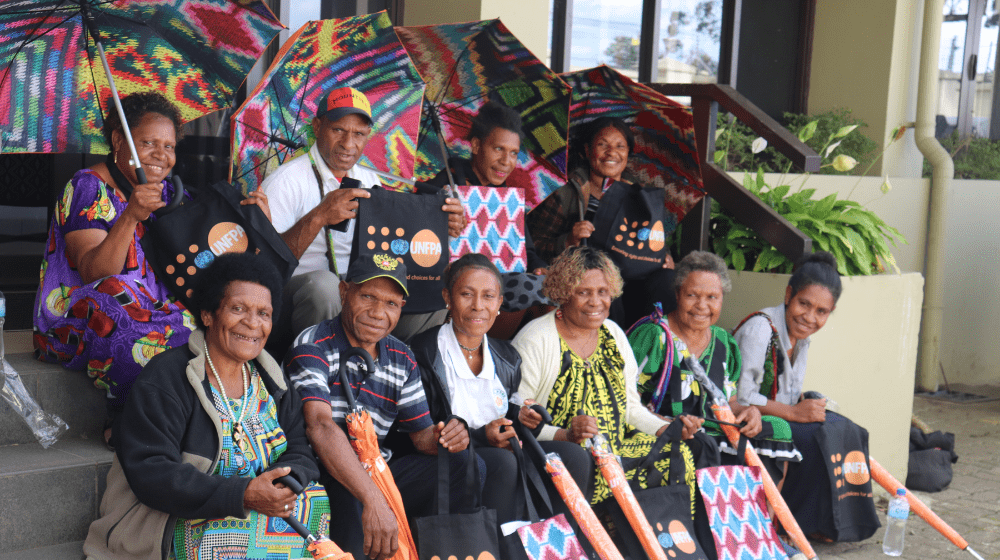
(227, 237)
(676, 535)
(424, 247)
(640, 235)
(853, 467)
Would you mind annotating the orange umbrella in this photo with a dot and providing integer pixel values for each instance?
(613, 473)
(721, 410)
(321, 547)
(361, 433)
(890, 483)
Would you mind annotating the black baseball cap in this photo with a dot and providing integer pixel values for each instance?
(368, 267)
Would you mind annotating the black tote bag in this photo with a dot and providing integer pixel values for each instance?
(411, 228)
(182, 242)
(851, 513)
(629, 226)
(666, 502)
(468, 534)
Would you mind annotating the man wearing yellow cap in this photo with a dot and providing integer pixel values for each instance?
(316, 216)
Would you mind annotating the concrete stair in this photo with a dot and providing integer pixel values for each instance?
(49, 496)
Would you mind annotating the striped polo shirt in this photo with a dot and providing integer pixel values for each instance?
(392, 392)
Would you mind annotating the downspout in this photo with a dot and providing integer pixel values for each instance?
(941, 177)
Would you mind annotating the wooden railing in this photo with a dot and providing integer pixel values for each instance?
(737, 200)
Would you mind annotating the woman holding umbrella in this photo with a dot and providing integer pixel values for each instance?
(99, 306)
(602, 148)
(579, 366)
(208, 429)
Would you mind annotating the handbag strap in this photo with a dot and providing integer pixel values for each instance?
(331, 257)
(677, 470)
(515, 447)
(444, 475)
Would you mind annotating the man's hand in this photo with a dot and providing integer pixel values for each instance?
(581, 230)
(581, 428)
(341, 205)
(454, 437)
(810, 410)
(260, 199)
(495, 436)
(264, 496)
(456, 216)
(380, 528)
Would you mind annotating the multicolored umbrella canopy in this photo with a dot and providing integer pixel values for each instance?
(53, 88)
(363, 52)
(665, 151)
(467, 64)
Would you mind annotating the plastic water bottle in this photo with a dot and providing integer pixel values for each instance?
(899, 510)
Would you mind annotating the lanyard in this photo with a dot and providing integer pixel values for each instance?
(331, 257)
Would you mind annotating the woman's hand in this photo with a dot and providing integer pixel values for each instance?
(668, 261)
(691, 425)
(529, 418)
(495, 436)
(581, 230)
(146, 199)
(750, 415)
(581, 428)
(260, 199)
(809, 410)
(264, 496)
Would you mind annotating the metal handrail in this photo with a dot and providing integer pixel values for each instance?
(736, 199)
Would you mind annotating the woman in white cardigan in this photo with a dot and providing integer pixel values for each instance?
(579, 366)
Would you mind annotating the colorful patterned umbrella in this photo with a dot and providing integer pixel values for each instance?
(666, 154)
(363, 52)
(54, 90)
(467, 64)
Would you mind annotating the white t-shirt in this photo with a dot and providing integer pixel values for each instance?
(479, 399)
(292, 192)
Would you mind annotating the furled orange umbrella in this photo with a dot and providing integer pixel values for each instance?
(890, 483)
(614, 475)
(721, 410)
(320, 547)
(361, 434)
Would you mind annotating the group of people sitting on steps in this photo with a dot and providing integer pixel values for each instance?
(205, 423)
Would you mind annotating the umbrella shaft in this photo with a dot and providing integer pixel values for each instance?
(388, 175)
(139, 173)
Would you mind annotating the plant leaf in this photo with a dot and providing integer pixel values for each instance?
(719, 156)
(844, 131)
(830, 148)
(739, 260)
(808, 131)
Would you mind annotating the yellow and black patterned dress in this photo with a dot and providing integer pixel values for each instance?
(597, 387)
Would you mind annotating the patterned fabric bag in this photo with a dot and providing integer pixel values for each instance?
(737, 514)
(496, 226)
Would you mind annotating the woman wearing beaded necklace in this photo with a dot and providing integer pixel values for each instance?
(208, 429)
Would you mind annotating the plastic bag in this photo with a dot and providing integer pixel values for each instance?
(46, 427)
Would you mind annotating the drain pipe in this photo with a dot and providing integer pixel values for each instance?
(941, 177)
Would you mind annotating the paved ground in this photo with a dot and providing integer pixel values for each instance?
(971, 505)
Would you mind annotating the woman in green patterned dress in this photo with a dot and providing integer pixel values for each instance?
(579, 366)
(701, 281)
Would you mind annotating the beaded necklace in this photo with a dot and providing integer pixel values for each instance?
(237, 431)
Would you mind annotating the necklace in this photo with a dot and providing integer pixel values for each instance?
(471, 351)
(237, 431)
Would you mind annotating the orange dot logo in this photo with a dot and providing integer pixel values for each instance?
(425, 247)
(657, 239)
(227, 237)
(856, 468)
(682, 539)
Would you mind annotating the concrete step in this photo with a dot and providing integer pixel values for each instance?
(50, 496)
(68, 551)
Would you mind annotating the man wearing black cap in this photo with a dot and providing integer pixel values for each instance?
(373, 293)
(309, 208)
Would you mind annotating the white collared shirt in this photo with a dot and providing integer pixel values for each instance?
(478, 399)
(292, 193)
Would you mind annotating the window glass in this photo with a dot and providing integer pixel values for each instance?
(690, 32)
(982, 102)
(302, 11)
(950, 57)
(606, 32)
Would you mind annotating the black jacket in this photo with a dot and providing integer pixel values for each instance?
(463, 172)
(506, 360)
(168, 442)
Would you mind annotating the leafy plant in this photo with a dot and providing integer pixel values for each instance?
(975, 158)
(854, 234)
(735, 141)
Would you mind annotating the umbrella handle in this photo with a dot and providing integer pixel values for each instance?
(292, 521)
(345, 383)
(175, 202)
